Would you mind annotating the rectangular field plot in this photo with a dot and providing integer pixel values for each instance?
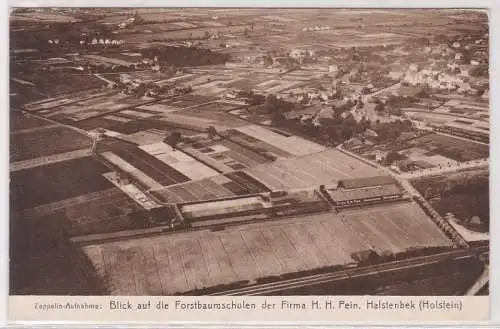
(136, 114)
(294, 145)
(252, 142)
(58, 181)
(456, 149)
(200, 99)
(59, 83)
(180, 161)
(105, 211)
(49, 104)
(258, 250)
(143, 137)
(217, 118)
(154, 172)
(98, 106)
(395, 227)
(323, 168)
(34, 144)
(216, 107)
(106, 122)
(20, 121)
(159, 108)
(186, 103)
(201, 190)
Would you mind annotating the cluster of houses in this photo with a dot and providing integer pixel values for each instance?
(315, 28)
(452, 79)
(450, 72)
(126, 23)
(129, 86)
(102, 41)
(94, 41)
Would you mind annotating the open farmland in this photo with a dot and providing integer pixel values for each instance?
(105, 211)
(53, 140)
(228, 185)
(50, 104)
(456, 149)
(97, 106)
(61, 267)
(324, 168)
(202, 190)
(181, 34)
(394, 228)
(44, 17)
(20, 121)
(361, 40)
(295, 145)
(146, 168)
(58, 181)
(464, 194)
(247, 252)
(54, 84)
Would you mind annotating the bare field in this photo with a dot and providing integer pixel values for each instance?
(49, 104)
(55, 182)
(201, 190)
(181, 34)
(107, 212)
(44, 17)
(44, 142)
(180, 262)
(97, 106)
(445, 145)
(313, 170)
(20, 121)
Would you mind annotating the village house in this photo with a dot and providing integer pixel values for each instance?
(333, 68)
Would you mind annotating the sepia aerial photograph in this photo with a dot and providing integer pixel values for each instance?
(255, 151)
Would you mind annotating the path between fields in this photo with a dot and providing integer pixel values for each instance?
(93, 137)
(50, 208)
(81, 131)
(31, 130)
(49, 159)
(109, 82)
(456, 137)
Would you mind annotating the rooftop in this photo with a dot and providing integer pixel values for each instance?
(353, 183)
(363, 193)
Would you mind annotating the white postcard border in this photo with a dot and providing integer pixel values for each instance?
(495, 116)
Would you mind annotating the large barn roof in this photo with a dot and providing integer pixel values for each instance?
(367, 181)
(363, 193)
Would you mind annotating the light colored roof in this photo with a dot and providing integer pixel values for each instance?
(363, 193)
(368, 181)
